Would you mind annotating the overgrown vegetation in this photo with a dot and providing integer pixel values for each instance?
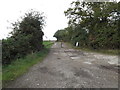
(24, 47)
(102, 51)
(93, 24)
(20, 66)
(26, 37)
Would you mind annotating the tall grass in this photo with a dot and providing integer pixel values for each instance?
(102, 51)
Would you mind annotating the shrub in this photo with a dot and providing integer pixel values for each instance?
(27, 37)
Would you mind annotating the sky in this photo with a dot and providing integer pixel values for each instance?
(12, 10)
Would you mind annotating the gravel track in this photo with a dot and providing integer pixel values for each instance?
(69, 68)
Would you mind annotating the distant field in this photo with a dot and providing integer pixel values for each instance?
(22, 65)
(47, 44)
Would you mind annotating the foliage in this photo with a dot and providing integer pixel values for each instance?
(94, 24)
(60, 34)
(20, 66)
(26, 37)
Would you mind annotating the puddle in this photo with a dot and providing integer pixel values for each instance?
(58, 58)
(114, 61)
(87, 62)
(69, 50)
(75, 57)
(84, 73)
(43, 69)
(55, 53)
(70, 54)
(110, 67)
(111, 62)
(63, 54)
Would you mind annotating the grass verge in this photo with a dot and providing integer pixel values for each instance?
(20, 66)
(102, 51)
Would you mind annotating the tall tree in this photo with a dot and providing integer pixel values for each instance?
(99, 19)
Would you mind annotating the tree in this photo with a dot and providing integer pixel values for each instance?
(26, 37)
(60, 35)
(31, 26)
(99, 19)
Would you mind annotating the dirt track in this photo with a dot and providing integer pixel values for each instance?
(69, 68)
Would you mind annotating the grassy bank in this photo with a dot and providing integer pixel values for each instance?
(20, 66)
(108, 51)
(102, 51)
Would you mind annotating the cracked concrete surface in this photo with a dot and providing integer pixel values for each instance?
(69, 68)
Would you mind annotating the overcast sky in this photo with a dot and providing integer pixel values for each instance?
(12, 10)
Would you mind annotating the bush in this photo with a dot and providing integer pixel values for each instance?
(27, 37)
